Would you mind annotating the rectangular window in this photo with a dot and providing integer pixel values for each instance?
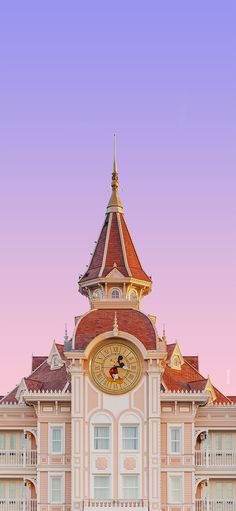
(176, 489)
(130, 438)
(219, 490)
(101, 438)
(56, 489)
(228, 442)
(218, 442)
(12, 490)
(102, 489)
(130, 487)
(229, 491)
(13, 441)
(2, 442)
(57, 440)
(175, 440)
(2, 490)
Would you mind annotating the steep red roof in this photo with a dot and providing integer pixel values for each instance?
(99, 321)
(37, 361)
(43, 378)
(115, 248)
(187, 378)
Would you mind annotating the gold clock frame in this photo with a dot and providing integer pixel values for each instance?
(126, 344)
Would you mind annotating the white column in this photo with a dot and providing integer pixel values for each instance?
(154, 373)
(77, 433)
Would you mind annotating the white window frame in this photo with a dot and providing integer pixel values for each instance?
(110, 486)
(130, 425)
(93, 437)
(119, 291)
(175, 426)
(52, 426)
(171, 476)
(138, 486)
(52, 475)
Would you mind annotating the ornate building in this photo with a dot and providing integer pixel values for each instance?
(117, 417)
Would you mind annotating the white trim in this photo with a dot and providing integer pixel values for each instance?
(50, 476)
(51, 426)
(106, 243)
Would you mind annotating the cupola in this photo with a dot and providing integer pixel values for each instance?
(115, 276)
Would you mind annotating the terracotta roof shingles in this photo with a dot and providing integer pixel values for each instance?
(99, 321)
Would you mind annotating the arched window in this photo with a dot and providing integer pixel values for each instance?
(97, 294)
(133, 295)
(116, 293)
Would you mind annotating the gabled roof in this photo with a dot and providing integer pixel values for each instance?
(43, 378)
(187, 377)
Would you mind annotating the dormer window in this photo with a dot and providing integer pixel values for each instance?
(176, 362)
(55, 362)
(116, 293)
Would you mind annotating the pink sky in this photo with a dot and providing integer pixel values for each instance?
(163, 76)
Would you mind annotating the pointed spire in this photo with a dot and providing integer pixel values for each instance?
(66, 334)
(164, 332)
(114, 202)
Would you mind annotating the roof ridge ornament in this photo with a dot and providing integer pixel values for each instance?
(114, 204)
(115, 326)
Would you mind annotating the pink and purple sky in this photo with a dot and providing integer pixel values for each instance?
(162, 74)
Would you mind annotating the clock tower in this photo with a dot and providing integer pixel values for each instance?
(116, 365)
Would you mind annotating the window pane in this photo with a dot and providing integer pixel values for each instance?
(101, 437)
(102, 487)
(2, 490)
(12, 441)
(130, 487)
(229, 490)
(218, 442)
(175, 444)
(12, 490)
(56, 489)
(219, 490)
(56, 440)
(2, 442)
(228, 442)
(130, 438)
(176, 489)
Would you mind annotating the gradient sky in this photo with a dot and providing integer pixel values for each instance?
(161, 74)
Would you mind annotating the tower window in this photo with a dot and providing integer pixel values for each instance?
(116, 293)
(97, 294)
(101, 437)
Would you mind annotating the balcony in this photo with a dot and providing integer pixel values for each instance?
(209, 458)
(215, 505)
(18, 458)
(18, 505)
(141, 505)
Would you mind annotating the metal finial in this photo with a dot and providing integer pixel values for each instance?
(114, 182)
(66, 334)
(164, 332)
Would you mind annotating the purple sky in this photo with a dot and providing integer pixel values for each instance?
(161, 74)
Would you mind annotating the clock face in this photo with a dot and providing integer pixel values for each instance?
(115, 367)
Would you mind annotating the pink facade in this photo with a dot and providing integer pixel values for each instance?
(117, 417)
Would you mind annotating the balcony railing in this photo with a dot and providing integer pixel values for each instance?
(18, 505)
(116, 503)
(215, 505)
(209, 458)
(17, 458)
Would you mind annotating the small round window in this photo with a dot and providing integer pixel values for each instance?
(116, 293)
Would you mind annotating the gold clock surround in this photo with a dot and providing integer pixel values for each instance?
(115, 366)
